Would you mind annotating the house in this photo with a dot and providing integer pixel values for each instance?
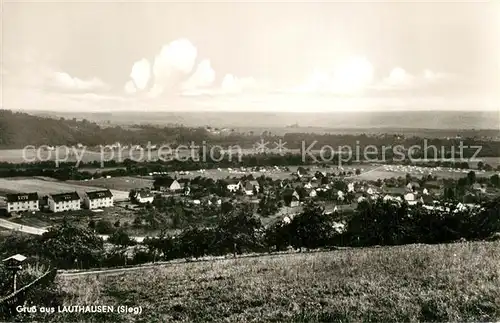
(167, 184)
(144, 197)
(295, 199)
(250, 186)
(361, 199)
(22, 202)
(412, 186)
(350, 187)
(98, 199)
(340, 195)
(410, 198)
(64, 202)
(311, 192)
(233, 185)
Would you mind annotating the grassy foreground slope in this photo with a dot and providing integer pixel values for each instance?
(453, 282)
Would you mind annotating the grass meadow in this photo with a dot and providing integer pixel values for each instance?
(449, 282)
(46, 187)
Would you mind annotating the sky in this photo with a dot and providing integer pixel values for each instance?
(250, 56)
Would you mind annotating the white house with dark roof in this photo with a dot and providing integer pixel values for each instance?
(410, 198)
(233, 185)
(98, 199)
(167, 184)
(295, 201)
(249, 187)
(22, 202)
(144, 197)
(64, 202)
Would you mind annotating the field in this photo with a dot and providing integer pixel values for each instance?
(87, 155)
(274, 174)
(117, 183)
(388, 171)
(45, 187)
(453, 282)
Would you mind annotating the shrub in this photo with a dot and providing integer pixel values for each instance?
(104, 227)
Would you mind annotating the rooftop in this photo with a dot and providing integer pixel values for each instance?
(21, 197)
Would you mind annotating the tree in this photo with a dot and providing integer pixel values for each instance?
(471, 177)
(312, 228)
(68, 246)
(132, 195)
(121, 238)
(379, 223)
(277, 236)
(238, 230)
(104, 227)
(495, 180)
(197, 242)
(358, 171)
(267, 206)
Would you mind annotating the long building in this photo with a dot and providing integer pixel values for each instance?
(64, 202)
(22, 202)
(98, 199)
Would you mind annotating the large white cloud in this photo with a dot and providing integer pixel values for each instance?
(203, 77)
(170, 67)
(174, 59)
(140, 74)
(130, 87)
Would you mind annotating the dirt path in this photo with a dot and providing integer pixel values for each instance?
(39, 231)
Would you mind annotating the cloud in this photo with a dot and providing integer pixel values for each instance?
(229, 85)
(431, 76)
(400, 79)
(64, 81)
(172, 71)
(232, 84)
(130, 87)
(350, 76)
(173, 62)
(141, 73)
(203, 77)
(155, 91)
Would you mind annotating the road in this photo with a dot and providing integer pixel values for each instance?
(39, 231)
(22, 228)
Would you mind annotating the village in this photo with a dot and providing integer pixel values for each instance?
(277, 194)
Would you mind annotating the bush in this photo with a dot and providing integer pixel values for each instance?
(104, 227)
(121, 238)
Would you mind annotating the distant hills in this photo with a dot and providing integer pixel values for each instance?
(18, 129)
(443, 120)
